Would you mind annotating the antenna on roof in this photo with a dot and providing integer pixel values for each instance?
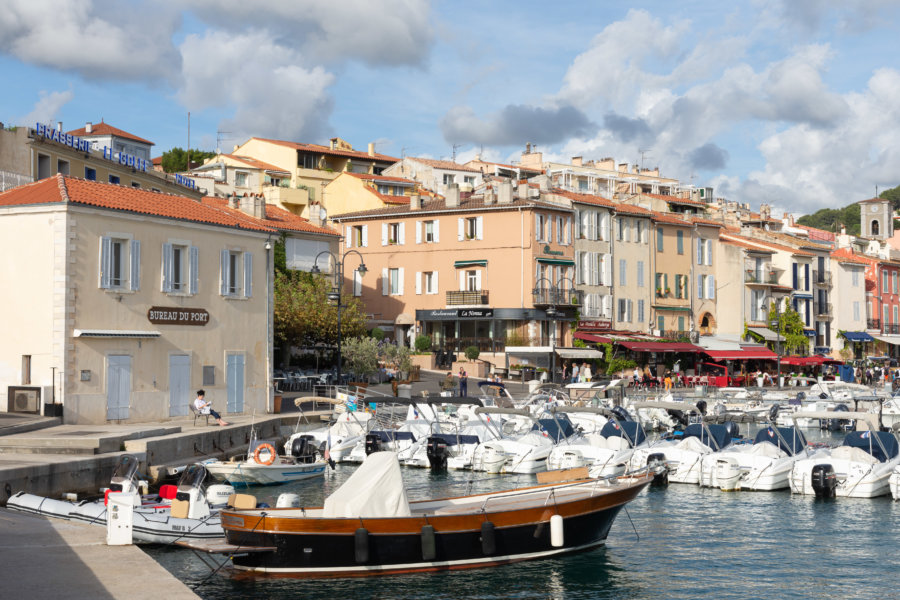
(220, 136)
(453, 155)
(643, 153)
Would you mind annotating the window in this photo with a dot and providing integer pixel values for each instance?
(887, 314)
(236, 273)
(114, 179)
(896, 309)
(856, 310)
(758, 308)
(471, 228)
(640, 277)
(470, 179)
(472, 281)
(854, 278)
(393, 233)
(701, 286)
(623, 268)
(641, 233)
(430, 232)
(700, 249)
(680, 241)
(395, 282)
(894, 279)
(431, 282)
(358, 236)
(180, 268)
(90, 174)
(582, 185)
(136, 184)
(640, 311)
(357, 283)
(711, 287)
(659, 239)
(309, 161)
(620, 228)
(680, 324)
(62, 166)
(884, 282)
(120, 261)
(661, 323)
(540, 226)
(449, 178)
(43, 166)
(625, 309)
(241, 178)
(709, 252)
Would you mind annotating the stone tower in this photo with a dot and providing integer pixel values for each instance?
(876, 218)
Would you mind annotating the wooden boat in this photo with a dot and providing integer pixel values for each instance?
(368, 527)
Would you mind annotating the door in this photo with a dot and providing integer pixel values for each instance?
(179, 384)
(234, 376)
(118, 386)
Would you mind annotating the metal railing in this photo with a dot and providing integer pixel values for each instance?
(543, 296)
(823, 309)
(460, 298)
(822, 278)
(891, 329)
(873, 323)
(762, 277)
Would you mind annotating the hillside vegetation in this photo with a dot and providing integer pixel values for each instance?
(830, 219)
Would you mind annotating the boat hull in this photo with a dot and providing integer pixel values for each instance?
(246, 473)
(321, 548)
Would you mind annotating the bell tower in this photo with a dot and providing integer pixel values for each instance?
(876, 218)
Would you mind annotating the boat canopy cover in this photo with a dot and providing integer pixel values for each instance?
(374, 490)
(393, 435)
(792, 443)
(451, 439)
(555, 432)
(714, 435)
(864, 440)
(629, 429)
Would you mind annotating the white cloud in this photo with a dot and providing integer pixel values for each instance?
(47, 107)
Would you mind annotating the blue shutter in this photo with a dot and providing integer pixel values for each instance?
(806, 277)
(195, 269)
(699, 251)
(105, 261)
(167, 268)
(795, 276)
(135, 265)
(248, 275)
(223, 272)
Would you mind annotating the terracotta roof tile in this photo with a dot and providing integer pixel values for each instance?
(584, 198)
(466, 204)
(276, 217)
(257, 164)
(370, 177)
(675, 200)
(754, 243)
(327, 150)
(448, 165)
(102, 128)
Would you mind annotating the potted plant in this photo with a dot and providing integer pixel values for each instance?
(659, 291)
(668, 291)
(360, 356)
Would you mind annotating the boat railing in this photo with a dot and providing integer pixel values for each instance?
(593, 482)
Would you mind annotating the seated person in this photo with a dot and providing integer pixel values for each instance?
(204, 407)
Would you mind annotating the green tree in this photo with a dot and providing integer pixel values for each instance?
(791, 328)
(831, 219)
(893, 195)
(360, 356)
(175, 160)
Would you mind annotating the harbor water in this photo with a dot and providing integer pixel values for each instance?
(676, 542)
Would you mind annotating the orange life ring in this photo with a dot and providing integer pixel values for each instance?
(272, 454)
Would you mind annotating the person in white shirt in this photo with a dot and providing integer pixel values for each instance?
(205, 408)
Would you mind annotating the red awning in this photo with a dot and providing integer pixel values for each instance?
(661, 347)
(803, 361)
(745, 354)
(590, 337)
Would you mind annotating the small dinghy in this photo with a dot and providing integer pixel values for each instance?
(264, 466)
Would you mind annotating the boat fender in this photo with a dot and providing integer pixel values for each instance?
(361, 545)
(556, 531)
(488, 540)
(429, 548)
(271, 457)
(288, 500)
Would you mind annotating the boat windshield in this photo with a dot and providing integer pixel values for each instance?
(125, 468)
(192, 477)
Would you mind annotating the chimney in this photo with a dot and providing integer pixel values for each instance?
(314, 214)
(522, 191)
(371, 149)
(488, 196)
(623, 167)
(254, 206)
(505, 195)
(415, 202)
(334, 143)
(577, 161)
(636, 169)
(59, 126)
(88, 127)
(234, 202)
(528, 148)
(451, 198)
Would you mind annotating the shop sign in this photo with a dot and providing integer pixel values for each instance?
(55, 135)
(595, 324)
(162, 315)
(547, 250)
(475, 313)
(451, 314)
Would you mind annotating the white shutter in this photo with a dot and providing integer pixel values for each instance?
(167, 268)
(699, 251)
(537, 227)
(595, 225)
(595, 268)
(579, 267)
(711, 281)
(607, 275)
(462, 229)
(223, 272)
(578, 229)
(568, 231)
(384, 234)
(385, 282)
(418, 232)
(248, 275)
(400, 281)
(135, 275)
(607, 305)
(709, 252)
(348, 236)
(105, 261)
(402, 239)
(437, 237)
(195, 269)
(479, 228)
(700, 287)
(357, 283)
(434, 278)
(418, 282)
(626, 231)
(365, 235)
(462, 280)
(478, 280)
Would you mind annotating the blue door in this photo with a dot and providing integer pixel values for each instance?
(234, 377)
(118, 386)
(179, 384)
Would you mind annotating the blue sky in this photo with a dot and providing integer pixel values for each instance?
(789, 102)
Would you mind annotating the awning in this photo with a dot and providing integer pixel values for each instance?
(888, 339)
(470, 263)
(764, 333)
(803, 361)
(677, 308)
(590, 337)
(810, 332)
(744, 354)
(720, 342)
(802, 295)
(589, 353)
(568, 262)
(661, 347)
(116, 333)
(857, 336)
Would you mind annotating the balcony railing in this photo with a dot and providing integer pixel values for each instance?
(822, 278)
(543, 296)
(873, 323)
(467, 298)
(823, 309)
(892, 329)
(762, 277)
(671, 334)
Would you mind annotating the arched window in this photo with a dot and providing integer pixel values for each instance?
(874, 227)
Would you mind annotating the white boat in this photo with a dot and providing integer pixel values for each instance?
(860, 467)
(683, 454)
(454, 434)
(894, 483)
(348, 428)
(603, 443)
(263, 465)
(526, 443)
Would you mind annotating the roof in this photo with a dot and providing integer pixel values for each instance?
(670, 219)
(760, 245)
(505, 166)
(443, 164)
(466, 204)
(388, 178)
(102, 128)
(276, 217)
(584, 198)
(847, 255)
(873, 200)
(318, 148)
(743, 354)
(675, 200)
(639, 346)
(817, 234)
(629, 209)
(256, 164)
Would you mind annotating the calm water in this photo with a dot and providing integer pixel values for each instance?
(675, 542)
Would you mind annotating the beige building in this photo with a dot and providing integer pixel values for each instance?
(354, 192)
(436, 175)
(131, 300)
(632, 277)
(672, 282)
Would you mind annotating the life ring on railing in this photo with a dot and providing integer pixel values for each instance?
(272, 454)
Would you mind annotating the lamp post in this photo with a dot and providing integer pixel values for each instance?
(554, 298)
(335, 294)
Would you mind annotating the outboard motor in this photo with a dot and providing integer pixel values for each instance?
(437, 451)
(824, 481)
(701, 406)
(620, 413)
(373, 443)
(773, 413)
(733, 429)
(678, 416)
(657, 462)
(303, 449)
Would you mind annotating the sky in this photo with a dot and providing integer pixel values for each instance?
(795, 103)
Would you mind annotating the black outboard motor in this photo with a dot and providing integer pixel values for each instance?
(657, 462)
(824, 481)
(701, 406)
(678, 416)
(303, 449)
(620, 413)
(437, 451)
(773, 413)
(373, 443)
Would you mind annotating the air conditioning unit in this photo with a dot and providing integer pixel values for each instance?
(24, 399)
(657, 332)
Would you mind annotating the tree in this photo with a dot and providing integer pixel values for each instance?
(175, 160)
(791, 328)
(831, 219)
(360, 356)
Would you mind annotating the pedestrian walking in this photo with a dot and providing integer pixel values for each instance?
(463, 383)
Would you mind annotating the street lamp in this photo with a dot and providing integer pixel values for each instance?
(335, 294)
(555, 296)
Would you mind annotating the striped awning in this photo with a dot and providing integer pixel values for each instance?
(567, 262)
(116, 333)
(470, 263)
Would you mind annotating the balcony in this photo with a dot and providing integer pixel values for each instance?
(762, 277)
(823, 310)
(553, 296)
(891, 329)
(874, 324)
(822, 279)
(285, 195)
(672, 334)
(467, 298)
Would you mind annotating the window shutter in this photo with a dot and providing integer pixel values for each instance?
(595, 268)
(806, 277)
(223, 272)
(579, 266)
(709, 252)
(437, 230)
(167, 268)
(194, 253)
(418, 232)
(711, 282)
(626, 230)
(248, 275)
(435, 279)
(699, 251)
(700, 287)
(384, 234)
(577, 223)
(568, 230)
(385, 282)
(402, 239)
(418, 282)
(607, 305)
(135, 265)
(537, 227)
(365, 235)
(348, 236)
(105, 261)
(462, 280)
(478, 280)
(479, 228)
(357, 283)
(400, 281)
(462, 229)
(795, 275)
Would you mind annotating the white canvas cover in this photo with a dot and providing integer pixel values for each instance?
(375, 490)
(693, 444)
(768, 450)
(853, 454)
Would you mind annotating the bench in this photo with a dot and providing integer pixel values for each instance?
(197, 414)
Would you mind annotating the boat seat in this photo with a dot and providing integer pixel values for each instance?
(180, 509)
(241, 501)
(197, 414)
